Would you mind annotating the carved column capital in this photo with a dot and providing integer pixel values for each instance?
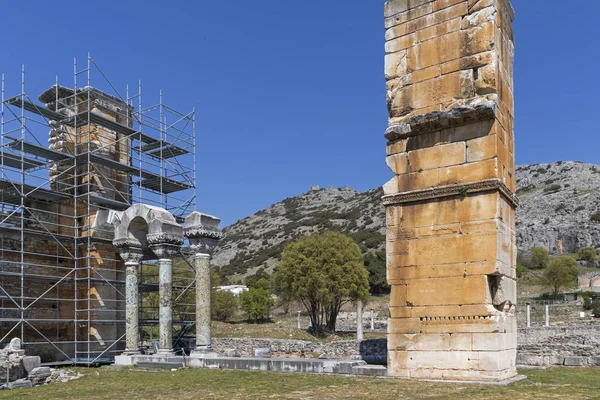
(128, 251)
(203, 232)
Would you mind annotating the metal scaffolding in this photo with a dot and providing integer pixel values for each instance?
(61, 281)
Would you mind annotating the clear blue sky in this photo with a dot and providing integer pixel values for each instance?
(291, 94)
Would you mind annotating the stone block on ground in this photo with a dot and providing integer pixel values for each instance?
(19, 384)
(262, 352)
(39, 375)
(575, 361)
(594, 360)
(31, 362)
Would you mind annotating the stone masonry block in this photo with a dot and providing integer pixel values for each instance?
(447, 291)
(438, 156)
(451, 210)
(471, 172)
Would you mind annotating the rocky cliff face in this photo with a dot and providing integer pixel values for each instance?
(557, 202)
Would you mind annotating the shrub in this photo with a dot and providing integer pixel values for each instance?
(257, 303)
(521, 269)
(596, 308)
(223, 305)
(552, 188)
(539, 258)
(541, 170)
(596, 216)
(587, 254)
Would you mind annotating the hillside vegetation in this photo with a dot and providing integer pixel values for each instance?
(559, 209)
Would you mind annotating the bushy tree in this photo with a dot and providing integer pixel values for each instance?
(257, 303)
(521, 269)
(375, 264)
(587, 254)
(539, 258)
(252, 280)
(323, 272)
(223, 305)
(560, 273)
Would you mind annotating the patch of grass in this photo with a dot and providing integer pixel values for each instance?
(131, 384)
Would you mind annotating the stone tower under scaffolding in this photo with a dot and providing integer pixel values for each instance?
(62, 282)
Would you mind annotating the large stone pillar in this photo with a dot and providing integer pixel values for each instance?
(203, 233)
(450, 207)
(132, 257)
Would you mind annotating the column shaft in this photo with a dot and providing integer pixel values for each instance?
(165, 302)
(359, 321)
(203, 317)
(131, 308)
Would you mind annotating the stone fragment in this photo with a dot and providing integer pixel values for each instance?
(30, 363)
(20, 384)
(232, 353)
(263, 352)
(39, 375)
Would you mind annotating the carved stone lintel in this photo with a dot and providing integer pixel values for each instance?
(452, 190)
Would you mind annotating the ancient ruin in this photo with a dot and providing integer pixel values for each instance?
(72, 162)
(450, 207)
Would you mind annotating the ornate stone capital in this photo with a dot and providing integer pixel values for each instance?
(128, 251)
(202, 231)
(165, 250)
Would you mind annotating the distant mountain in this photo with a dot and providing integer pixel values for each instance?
(557, 201)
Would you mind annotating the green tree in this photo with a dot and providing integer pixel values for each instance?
(223, 305)
(587, 254)
(560, 273)
(323, 272)
(539, 258)
(259, 279)
(375, 264)
(521, 269)
(257, 303)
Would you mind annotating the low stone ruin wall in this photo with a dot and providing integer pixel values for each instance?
(373, 351)
(570, 345)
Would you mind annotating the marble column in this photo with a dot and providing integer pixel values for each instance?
(165, 254)
(132, 257)
(359, 321)
(203, 309)
(203, 233)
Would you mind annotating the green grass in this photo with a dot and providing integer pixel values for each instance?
(559, 383)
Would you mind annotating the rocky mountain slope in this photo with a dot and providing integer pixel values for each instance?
(557, 202)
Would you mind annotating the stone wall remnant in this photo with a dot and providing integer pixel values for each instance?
(450, 206)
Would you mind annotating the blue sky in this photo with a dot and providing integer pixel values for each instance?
(291, 94)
